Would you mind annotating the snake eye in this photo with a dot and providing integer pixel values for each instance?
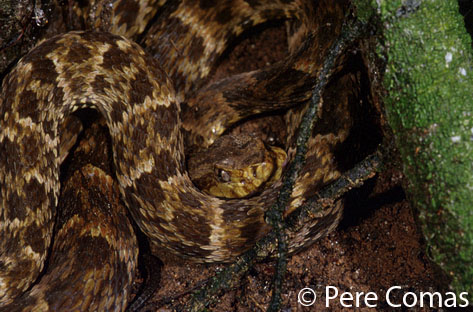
(223, 175)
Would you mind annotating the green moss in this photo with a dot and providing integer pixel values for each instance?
(429, 79)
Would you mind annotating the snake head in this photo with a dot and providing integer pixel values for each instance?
(236, 166)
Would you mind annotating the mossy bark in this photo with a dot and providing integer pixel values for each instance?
(429, 104)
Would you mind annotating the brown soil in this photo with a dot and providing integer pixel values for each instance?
(376, 246)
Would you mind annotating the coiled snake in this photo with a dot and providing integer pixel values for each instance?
(155, 103)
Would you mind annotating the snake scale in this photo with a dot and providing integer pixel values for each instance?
(157, 101)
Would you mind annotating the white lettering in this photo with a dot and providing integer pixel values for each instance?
(452, 301)
(405, 297)
(463, 298)
(431, 303)
(346, 296)
(388, 294)
(370, 296)
(327, 295)
(410, 299)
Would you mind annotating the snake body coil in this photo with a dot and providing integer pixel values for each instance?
(146, 117)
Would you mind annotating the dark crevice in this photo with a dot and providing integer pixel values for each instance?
(466, 10)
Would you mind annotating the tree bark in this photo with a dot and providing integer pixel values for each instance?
(429, 104)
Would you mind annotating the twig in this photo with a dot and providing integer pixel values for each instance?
(274, 216)
(231, 275)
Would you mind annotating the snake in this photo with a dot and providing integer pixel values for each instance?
(157, 102)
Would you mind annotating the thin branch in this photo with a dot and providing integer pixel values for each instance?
(232, 274)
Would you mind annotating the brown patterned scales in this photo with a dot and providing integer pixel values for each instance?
(94, 254)
(135, 95)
